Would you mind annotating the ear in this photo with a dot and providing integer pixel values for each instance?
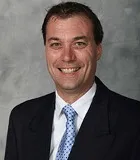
(99, 51)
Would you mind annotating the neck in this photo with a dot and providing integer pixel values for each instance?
(71, 96)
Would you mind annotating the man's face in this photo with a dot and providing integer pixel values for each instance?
(71, 53)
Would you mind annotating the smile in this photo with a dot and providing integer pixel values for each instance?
(69, 70)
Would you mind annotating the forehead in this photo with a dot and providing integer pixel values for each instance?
(77, 24)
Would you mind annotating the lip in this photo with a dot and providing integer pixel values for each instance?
(69, 70)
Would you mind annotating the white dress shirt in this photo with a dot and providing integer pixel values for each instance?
(81, 106)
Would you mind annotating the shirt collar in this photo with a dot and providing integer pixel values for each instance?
(81, 106)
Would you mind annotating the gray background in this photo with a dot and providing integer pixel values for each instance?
(23, 72)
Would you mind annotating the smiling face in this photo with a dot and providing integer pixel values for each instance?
(71, 54)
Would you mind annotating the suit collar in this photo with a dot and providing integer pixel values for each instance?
(99, 110)
(46, 106)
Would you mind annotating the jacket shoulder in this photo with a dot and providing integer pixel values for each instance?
(128, 109)
(30, 107)
(124, 101)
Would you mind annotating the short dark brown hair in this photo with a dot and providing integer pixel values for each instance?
(69, 9)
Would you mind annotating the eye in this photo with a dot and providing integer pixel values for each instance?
(55, 45)
(80, 44)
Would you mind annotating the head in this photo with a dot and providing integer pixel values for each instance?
(72, 36)
(65, 10)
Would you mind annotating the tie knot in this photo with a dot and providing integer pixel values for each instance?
(69, 112)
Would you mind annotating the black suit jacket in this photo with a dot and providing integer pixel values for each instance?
(110, 130)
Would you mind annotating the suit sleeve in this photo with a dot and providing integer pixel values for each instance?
(11, 145)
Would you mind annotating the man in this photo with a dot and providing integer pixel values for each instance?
(105, 125)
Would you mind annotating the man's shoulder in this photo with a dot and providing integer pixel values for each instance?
(122, 110)
(127, 108)
(123, 100)
(30, 107)
(116, 99)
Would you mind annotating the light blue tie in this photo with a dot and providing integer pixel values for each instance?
(69, 135)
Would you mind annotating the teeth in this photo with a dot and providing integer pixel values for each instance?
(69, 70)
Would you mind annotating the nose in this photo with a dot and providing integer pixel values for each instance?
(68, 54)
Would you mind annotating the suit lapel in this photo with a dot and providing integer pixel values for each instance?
(40, 129)
(94, 137)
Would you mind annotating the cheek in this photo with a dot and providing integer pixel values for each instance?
(49, 60)
(90, 61)
(87, 56)
(50, 56)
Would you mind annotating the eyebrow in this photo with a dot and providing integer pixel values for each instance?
(53, 39)
(80, 37)
(75, 38)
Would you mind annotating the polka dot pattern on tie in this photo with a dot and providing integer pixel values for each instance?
(69, 135)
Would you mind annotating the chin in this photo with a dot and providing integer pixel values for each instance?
(68, 86)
